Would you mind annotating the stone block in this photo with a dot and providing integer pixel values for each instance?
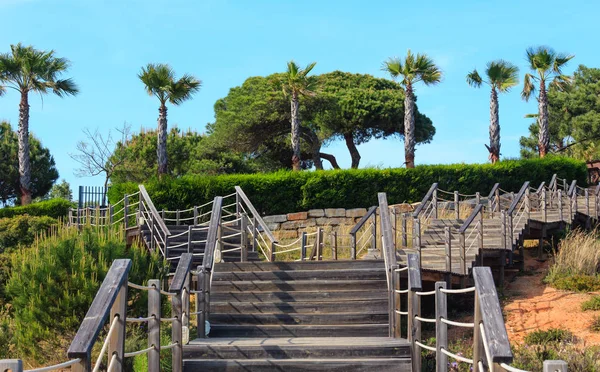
(278, 218)
(286, 234)
(300, 224)
(273, 226)
(335, 212)
(325, 221)
(297, 216)
(316, 213)
(356, 212)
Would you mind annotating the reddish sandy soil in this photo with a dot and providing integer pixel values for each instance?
(531, 305)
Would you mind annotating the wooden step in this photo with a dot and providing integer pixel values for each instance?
(312, 307)
(293, 275)
(299, 265)
(297, 285)
(296, 348)
(294, 296)
(304, 330)
(293, 365)
(357, 316)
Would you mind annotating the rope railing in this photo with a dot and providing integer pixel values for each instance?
(55, 367)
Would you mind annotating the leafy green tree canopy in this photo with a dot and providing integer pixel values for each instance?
(43, 168)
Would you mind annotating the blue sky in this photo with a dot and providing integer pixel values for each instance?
(224, 42)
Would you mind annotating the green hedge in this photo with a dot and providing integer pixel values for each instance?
(56, 208)
(284, 192)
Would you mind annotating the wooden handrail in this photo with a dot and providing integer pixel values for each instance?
(152, 209)
(518, 198)
(389, 249)
(212, 235)
(469, 220)
(496, 187)
(363, 220)
(552, 184)
(414, 272)
(540, 188)
(572, 188)
(183, 269)
(255, 214)
(95, 319)
(424, 201)
(490, 314)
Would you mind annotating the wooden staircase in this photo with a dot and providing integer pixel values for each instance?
(298, 316)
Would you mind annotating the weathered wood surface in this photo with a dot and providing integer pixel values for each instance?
(153, 211)
(363, 220)
(95, 319)
(179, 280)
(425, 199)
(213, 233)
(255, 214)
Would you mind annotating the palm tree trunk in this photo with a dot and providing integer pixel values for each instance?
(409, 127)
(24, 161)
(544, 132)
(494, 128)
(295, 133)
(161, 149)
(353, 150)
(315, 147)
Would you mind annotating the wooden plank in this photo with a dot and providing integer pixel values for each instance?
(363, 220)
(255, 214)
(424, 201)
(414, 272)
(388, 249)
(154, 325)
(441, 328)
(213, 233)
(491, 316)
(94, 320)
(181, 273)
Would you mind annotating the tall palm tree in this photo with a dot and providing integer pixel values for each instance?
(296, 83)
(501, 76)
(25, 70)
(413, 69)
(159, 80)
(547, 64)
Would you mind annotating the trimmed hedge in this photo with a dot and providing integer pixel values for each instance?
(55, 208)
(285, 191)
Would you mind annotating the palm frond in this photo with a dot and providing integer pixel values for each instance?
(2, 90)
(528, 87)
(502, 75)
(529, 116)
(393, 66)
(561, 60)
(64, 87)
(183, 89)
(473, 79)
(561, 82)
(296, 80)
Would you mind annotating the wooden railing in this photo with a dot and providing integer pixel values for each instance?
(369, 234)
(476, 215)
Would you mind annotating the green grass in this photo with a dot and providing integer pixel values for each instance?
(591, 304)
(575, 282)
(596, 324)
(552, 335)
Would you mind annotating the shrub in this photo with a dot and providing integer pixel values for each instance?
(551, 335)
(591, 304)
(596, 324)
(283, 191)
(56, 208)
(576, 263)
(22, 230)
(53, 283)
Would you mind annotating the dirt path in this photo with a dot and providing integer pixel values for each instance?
(531, 305)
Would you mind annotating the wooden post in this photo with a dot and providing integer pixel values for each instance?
(477, 198)
(154, 325)
(126, 209)
(303, 246)
(441, 328)
(560, 206)
(503, 228)
(394, 224)
(177, 217)
(12, 365)
(254, 231)
(195, 215)
(478, 350)
(434, 200)
(176, 332)
(404, 231)
(414, 310)
(417, 224)
(555, 366)
(201, 301)
(163, 214)
(353, 246)
(116, 344)
(497, 201)
(374, 232)
(334, 245)
(587, 209)
(463, 258)
(527, 203)
(244, 237)
(189, 242)
(480, 233)
(448, 244)
(544, 208)
(319, 244)
(185, 316)
(456, 205)
(272, 252)
(237, 204)
(152, 241)
(396, 297)
(111, 214)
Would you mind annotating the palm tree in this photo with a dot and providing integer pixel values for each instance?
(159, 80)
(548, 65)
(501, 76)
(296, 83)
(25, 70)
(413, 69)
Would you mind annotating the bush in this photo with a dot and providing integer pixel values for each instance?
(22, 230)
(53, 283)
(55, 208)
(591, 304)
(551, 335)
(284, 191)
